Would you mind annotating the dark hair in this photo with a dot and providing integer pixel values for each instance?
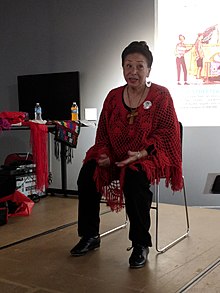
(181, 36)
(138, 47)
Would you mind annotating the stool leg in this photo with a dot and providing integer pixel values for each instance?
(156, 208)
(124, 225)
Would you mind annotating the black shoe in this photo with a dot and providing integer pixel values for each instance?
(84, 245)
(138, 257)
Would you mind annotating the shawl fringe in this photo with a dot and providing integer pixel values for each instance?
(113, 191)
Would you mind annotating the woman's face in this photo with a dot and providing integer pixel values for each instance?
(135, 69)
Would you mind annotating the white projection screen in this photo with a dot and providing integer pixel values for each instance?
(188, 32)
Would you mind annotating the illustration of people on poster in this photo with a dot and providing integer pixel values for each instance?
(187, 53)
(203, 63)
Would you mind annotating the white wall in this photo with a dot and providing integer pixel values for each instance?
(201, 155)
(65, 35)
(201, 163)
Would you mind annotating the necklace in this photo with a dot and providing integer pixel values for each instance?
(134, 111)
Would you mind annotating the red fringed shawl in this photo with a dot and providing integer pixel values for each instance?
(39, 143)
(157, 125)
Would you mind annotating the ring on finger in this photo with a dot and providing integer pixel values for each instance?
(138, 155)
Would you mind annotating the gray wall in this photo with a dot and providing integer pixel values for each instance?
(41, 36)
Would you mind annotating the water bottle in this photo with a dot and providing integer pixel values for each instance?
(37, 112)
(74, 112)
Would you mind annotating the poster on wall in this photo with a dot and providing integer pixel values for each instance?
(187, 58)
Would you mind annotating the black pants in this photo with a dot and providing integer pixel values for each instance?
(138, 199)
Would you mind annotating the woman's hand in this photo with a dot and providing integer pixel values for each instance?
(103, 161)
(132, 157)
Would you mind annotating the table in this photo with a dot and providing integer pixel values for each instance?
(53, 191)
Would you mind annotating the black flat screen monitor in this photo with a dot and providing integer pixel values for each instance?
(54, 91)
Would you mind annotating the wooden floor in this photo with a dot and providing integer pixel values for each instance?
(34, 253)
